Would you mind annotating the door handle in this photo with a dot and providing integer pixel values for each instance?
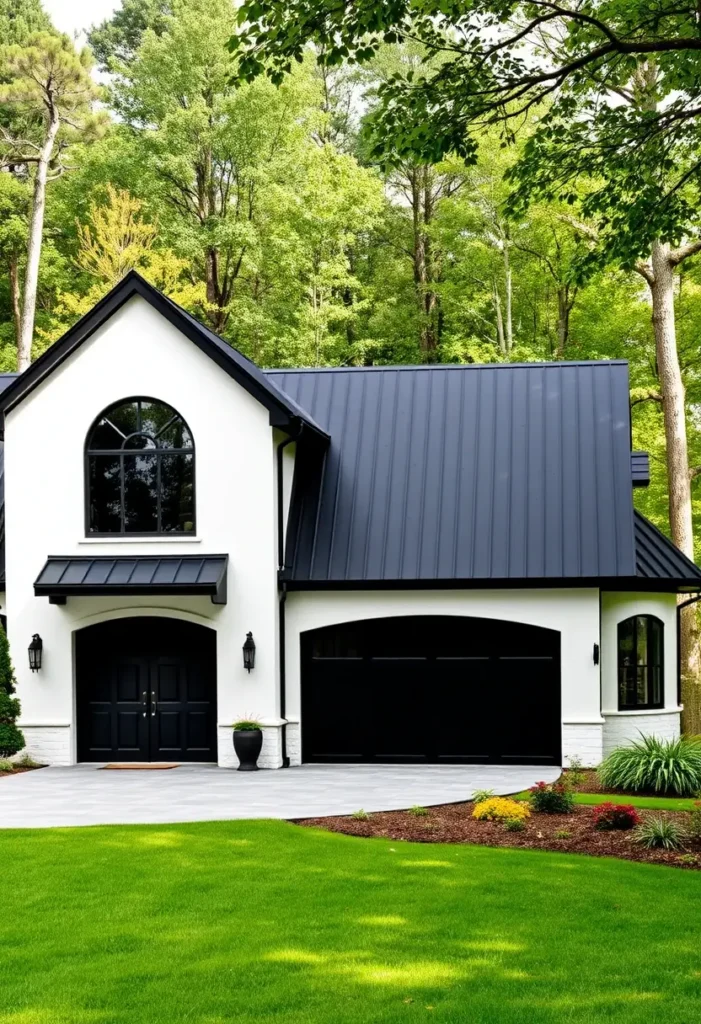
(144, 701)
(154, 704)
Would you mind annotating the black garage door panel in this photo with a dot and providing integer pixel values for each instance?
(431, 689)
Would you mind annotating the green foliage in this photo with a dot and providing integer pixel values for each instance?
(575, 772)
(552, 798)
(562, 833)
(417, 811)
(246, 725)
(6, 766)
(11, 739)
(480, 795)
(657, 832)
(514, 824)
(360, 815)
(655, 765)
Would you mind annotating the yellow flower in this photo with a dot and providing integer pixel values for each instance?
(500, 808)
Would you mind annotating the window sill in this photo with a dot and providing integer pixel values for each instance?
(645, 711)
(157, 539)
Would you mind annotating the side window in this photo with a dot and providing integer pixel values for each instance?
(140, 470)
(640, 663)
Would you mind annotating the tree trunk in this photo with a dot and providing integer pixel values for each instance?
(501, 340)
(563, 320)
(678, 476)
(15, 298)
(36, 232)
(509, 327)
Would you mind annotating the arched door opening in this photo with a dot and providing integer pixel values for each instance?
(431, 689)
(146, 691)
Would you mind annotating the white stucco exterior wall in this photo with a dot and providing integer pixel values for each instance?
(574, 613)
(137, 352)
(622, 727)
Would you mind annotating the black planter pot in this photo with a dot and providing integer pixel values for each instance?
(247, 744)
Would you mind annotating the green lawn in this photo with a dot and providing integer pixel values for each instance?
(252, 922)
(650, 803)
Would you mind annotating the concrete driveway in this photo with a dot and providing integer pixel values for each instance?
(85, 795)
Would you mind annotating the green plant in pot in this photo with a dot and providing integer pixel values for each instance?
(248, 740)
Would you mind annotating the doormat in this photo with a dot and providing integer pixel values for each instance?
(125, 766)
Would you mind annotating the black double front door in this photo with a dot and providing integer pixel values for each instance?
(146, 691)
(431, 689)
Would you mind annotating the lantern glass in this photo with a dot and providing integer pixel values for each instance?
(35, 651)
(249, 652)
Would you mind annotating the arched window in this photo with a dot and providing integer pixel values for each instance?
(640, 663)
(140, 470)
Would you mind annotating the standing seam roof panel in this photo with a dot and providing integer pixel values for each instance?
(462, 472)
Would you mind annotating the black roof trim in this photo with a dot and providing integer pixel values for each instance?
(284, 412)
(66, 576)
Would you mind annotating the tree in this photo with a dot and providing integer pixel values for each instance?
(11, 739)
(50, 92)
(499, 59)
(20, 19)
(116, 41)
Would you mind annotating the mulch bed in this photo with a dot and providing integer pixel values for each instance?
(453, 823)
(19, 771)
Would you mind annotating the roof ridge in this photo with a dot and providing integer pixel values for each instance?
(444, 366)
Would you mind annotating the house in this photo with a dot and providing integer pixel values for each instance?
(432, 564)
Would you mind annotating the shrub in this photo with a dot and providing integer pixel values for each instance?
(480, 795)
(608, 817)
(247, 725)
(11, 739)
(500, 808)
(6, 766)
(562, 833)
(657, 832)
(552, 798)
(663, 766)
(418, 811)
(514, 824)
(687, 858)
(360, 815)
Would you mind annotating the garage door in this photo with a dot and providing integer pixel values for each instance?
(433, 690)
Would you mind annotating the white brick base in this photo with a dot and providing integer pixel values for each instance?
(582, 740)
(48, 744)
(270, 755)
(294, 741)
(624, 727)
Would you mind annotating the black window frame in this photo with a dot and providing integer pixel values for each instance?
(649, 705)
(122, 453)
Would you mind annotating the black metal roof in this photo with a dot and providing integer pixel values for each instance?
(284, 412)
(658, 558)
(74, 576)
(457, 473)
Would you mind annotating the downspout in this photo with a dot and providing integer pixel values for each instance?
(283, 588)
(683, 604)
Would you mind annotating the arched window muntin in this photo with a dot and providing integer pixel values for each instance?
(640, 663)
(139, 470)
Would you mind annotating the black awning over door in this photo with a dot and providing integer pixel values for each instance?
(74, 576)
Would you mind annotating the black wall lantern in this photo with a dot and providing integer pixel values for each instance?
(596, 654)
(249, 652)
(35, 649)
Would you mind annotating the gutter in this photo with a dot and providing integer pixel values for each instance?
(283, 588)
